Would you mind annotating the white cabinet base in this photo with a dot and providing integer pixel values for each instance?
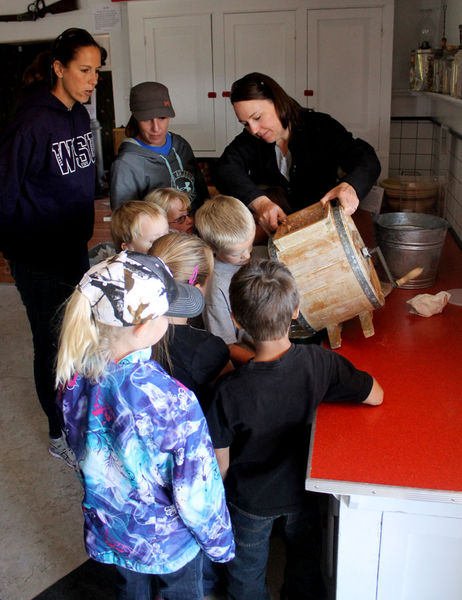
(398, 550)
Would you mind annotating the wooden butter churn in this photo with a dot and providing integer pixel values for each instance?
(332, 267)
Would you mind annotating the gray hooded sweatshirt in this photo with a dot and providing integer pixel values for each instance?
(138, 170)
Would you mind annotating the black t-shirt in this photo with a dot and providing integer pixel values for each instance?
(263, 411)
(197, 358)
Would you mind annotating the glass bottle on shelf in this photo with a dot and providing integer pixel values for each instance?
(423, 70)
(425, 30)
(448, 72)
(438, 66)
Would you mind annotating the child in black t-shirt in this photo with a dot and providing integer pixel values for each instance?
(260, 422)
(194, 356)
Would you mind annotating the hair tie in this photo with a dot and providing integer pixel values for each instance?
(192, 279)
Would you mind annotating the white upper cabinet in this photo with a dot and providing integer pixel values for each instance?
(349, 70)
(178, 53)
(336, 59)
(263, 42)
(344, 53)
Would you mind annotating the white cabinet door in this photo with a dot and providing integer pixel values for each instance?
(178, 53)
(205, 51)
(259, 41)
(344, 67)
(420, 558)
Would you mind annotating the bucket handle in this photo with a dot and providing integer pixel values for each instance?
(413, 274)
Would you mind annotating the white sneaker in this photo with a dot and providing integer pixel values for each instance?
(59, 448)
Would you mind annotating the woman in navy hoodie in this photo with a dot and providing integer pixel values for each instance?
(47, 180)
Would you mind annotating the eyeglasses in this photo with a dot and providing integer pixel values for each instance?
(182, 219)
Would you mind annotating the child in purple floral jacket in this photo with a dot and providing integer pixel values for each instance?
(153, 498)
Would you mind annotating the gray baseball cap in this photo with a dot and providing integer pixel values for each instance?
(150, 100)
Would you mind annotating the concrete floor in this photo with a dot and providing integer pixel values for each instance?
(40, 515)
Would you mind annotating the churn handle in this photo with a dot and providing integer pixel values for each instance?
(413, 274)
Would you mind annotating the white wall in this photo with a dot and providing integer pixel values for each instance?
(453, 20)
(51, 26)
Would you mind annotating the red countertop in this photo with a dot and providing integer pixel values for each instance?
(414, 439)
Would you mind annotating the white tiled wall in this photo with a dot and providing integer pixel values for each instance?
(411, 147)
(420, 146)
(453, 208)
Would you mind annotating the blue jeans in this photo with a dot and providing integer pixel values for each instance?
(43, 294)
(184, 584)
(246, 574)
(211, 573)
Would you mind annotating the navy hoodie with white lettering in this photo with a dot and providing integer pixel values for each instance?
(47, 182)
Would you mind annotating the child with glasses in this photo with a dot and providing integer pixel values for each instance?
(177, 206)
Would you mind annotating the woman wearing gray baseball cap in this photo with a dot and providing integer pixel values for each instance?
(151, 156)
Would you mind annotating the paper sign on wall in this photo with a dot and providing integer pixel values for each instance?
(106, 18)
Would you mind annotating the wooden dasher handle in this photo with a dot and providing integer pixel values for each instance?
(411, 275)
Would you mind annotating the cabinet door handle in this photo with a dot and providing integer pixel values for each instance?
(212, 95)
(308, 92)
(226, 94)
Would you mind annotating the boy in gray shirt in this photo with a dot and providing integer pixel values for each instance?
(227, 225)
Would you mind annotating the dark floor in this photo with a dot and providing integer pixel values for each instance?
(92, 581)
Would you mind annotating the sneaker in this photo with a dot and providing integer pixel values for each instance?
(60, 449)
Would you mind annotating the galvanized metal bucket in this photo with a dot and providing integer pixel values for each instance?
(410, 240)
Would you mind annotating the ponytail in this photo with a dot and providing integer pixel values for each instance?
(84, 345)
(39, 71)
(64, 49)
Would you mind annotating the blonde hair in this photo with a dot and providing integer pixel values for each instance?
(163, 197)
(189, 258)
(125, 221)
(84, 344)
(224, 221)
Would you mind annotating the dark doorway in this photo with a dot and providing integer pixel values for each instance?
(15, 59)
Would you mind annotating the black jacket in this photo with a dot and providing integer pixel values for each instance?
(319, 147)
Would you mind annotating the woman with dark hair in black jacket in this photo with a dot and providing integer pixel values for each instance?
(291, 152)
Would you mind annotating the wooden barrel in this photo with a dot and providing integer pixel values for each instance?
(332, 267)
